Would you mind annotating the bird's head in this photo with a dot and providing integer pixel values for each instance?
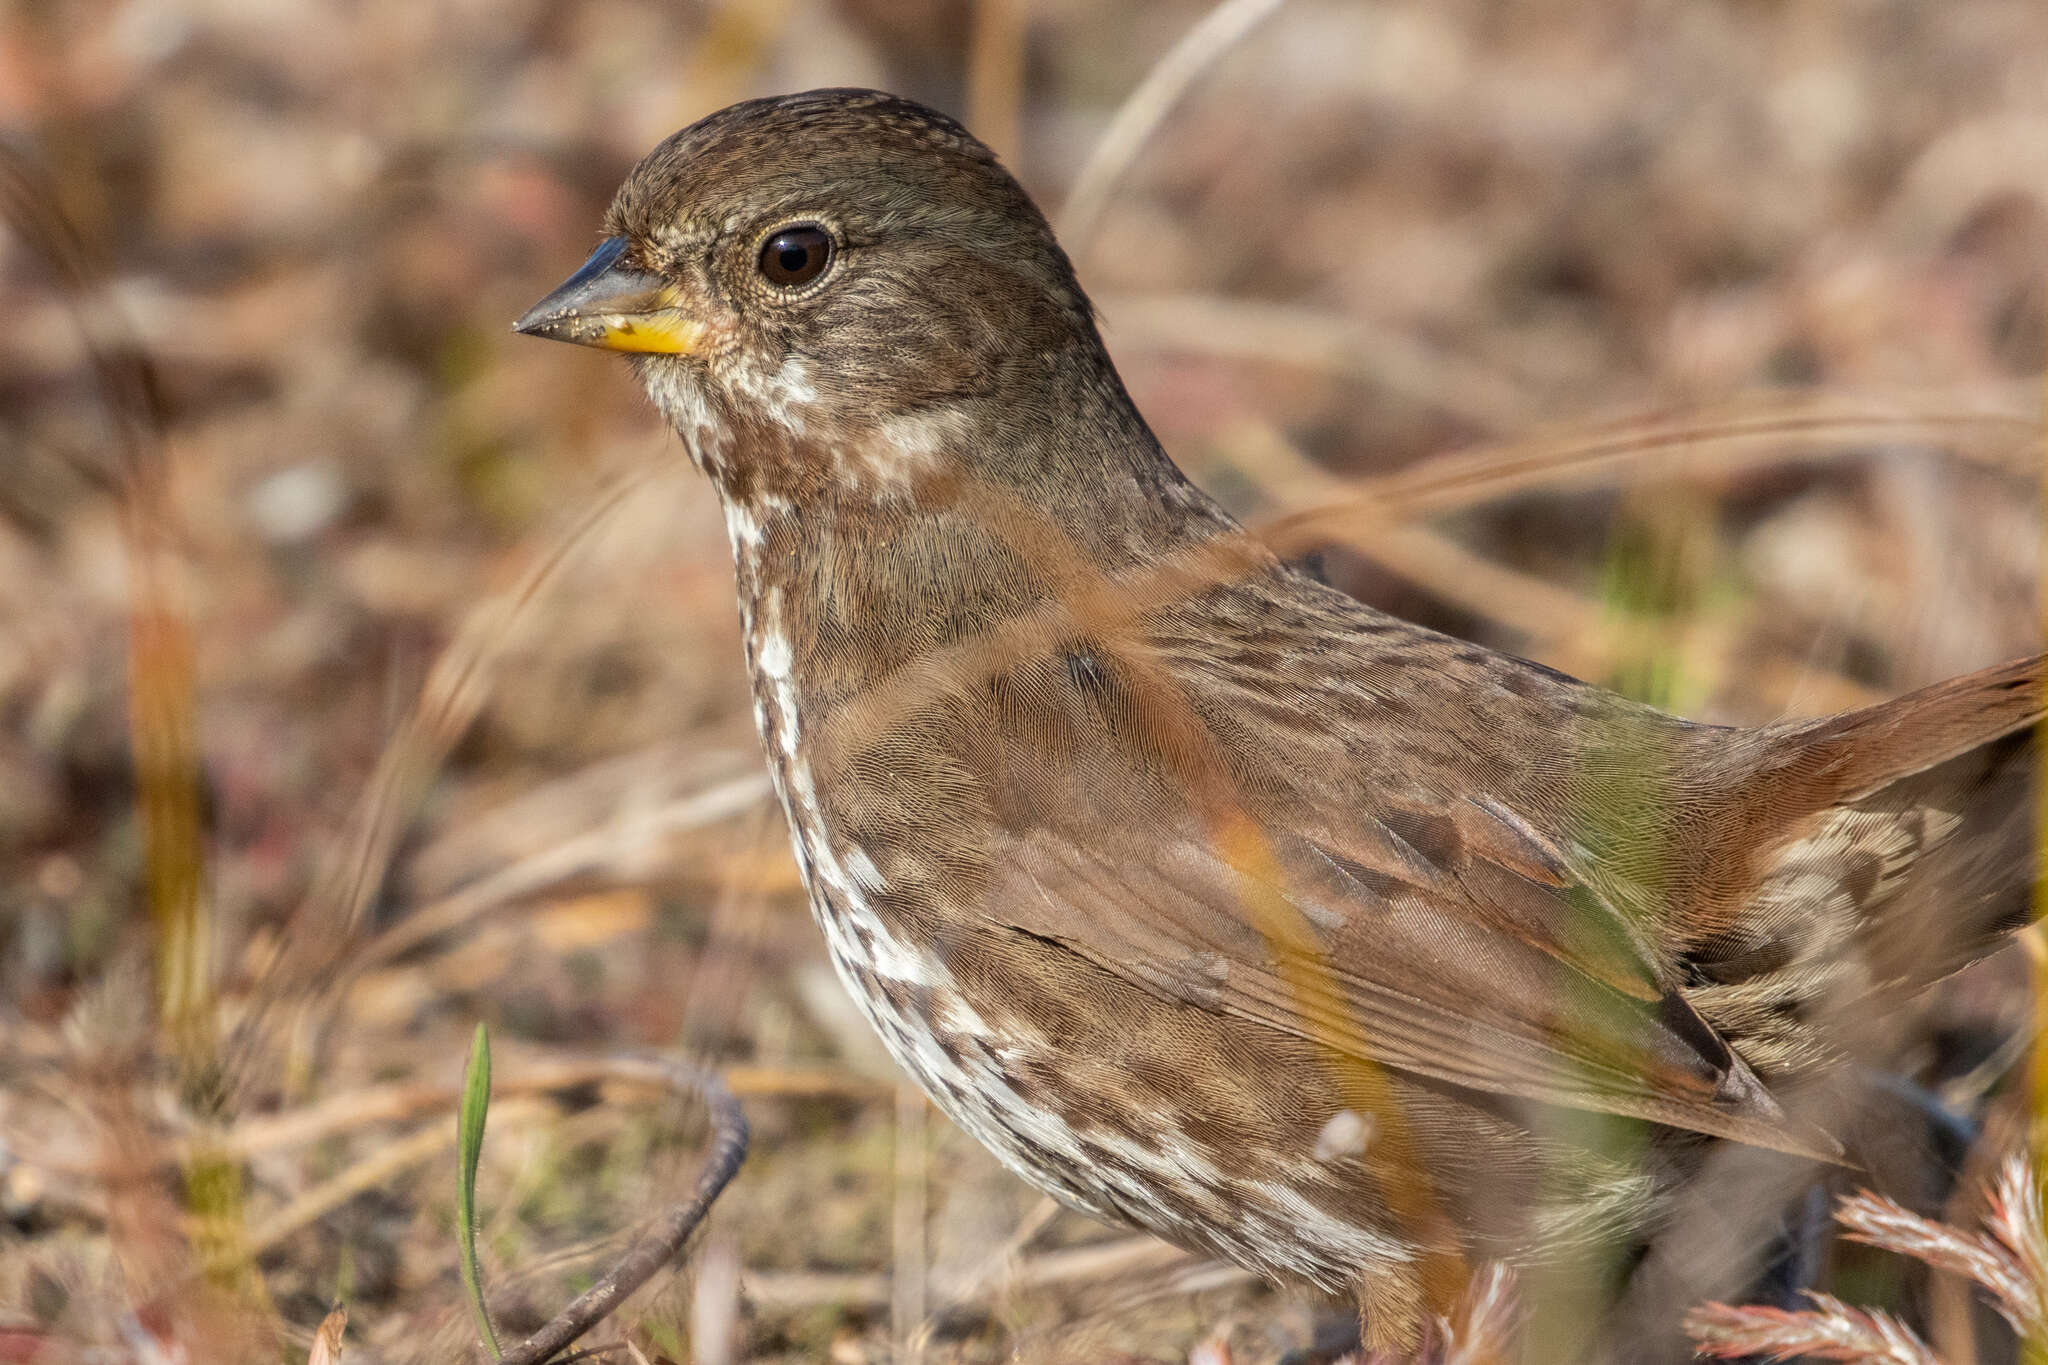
(830, 290)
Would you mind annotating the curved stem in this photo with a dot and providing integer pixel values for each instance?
(662, 1242)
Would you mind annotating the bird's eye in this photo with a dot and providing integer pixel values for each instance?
(796, 255)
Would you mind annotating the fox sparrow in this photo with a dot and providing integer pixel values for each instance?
(1209, 899)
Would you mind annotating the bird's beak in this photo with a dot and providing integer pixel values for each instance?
(611, 305)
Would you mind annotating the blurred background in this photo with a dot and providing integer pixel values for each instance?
(367, 671)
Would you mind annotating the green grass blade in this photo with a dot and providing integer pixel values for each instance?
(469, 1138)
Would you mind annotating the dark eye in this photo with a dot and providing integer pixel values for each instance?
(796, 255)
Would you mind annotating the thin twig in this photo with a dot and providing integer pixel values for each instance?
(1096, 1262)
(455, 691)
(1767, 428)
(715, 1303)
(323, 929)
(999, 1265)
(401, 1101)
(1146, 107)
(907, 1280)
(664, 1241)
(633, 828)
(995, 76)
(1320, 341)
(374, 1172)
(1582, 637)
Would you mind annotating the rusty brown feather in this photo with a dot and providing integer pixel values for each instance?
(1208, 898)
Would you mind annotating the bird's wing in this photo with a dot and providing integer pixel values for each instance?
(1451, 943)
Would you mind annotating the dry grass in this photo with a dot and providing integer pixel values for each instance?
(2007, 1262)
(377, 672)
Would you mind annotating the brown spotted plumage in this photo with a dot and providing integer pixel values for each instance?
(1210, 899)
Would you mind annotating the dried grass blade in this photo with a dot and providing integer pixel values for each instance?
(1879, 1222)
(1146, 107)
(1830, 1330)
(327, 1340)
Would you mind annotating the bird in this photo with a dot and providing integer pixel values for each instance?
(1211, 900)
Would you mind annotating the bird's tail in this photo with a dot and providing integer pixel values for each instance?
(1934, 793)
